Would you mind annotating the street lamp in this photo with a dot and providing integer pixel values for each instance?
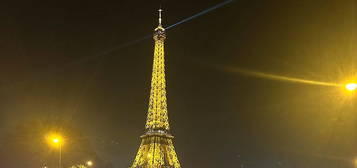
(57, 141)
(351, 87)
(89, 163)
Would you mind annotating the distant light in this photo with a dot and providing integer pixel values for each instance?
(55, 140)
(351, 86)
(89, 163)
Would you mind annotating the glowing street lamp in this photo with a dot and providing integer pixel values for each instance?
(89, 163)
(57, 141)
(351, 87)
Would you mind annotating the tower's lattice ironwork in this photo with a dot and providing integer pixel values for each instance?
(156, 149)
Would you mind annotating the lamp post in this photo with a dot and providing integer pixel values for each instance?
(58, 141)
(352, 88)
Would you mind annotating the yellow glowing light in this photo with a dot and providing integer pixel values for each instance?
(54, 140)
(351, 86)
(89, 163)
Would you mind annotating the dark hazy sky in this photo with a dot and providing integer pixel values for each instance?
(53, 76)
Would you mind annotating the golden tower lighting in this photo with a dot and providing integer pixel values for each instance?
(157, 149)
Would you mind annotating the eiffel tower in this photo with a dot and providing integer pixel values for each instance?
(156, 149)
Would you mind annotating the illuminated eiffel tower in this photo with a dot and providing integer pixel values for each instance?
(156, 149)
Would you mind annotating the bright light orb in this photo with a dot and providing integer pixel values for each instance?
(351, 86)
(89, 163)
(55, 140)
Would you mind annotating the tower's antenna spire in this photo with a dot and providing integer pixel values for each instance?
(160, 11)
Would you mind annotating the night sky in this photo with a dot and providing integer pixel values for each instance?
(65, 67)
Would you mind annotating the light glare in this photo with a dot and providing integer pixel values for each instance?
(351, 86)
(89, 163)
(56, 140)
